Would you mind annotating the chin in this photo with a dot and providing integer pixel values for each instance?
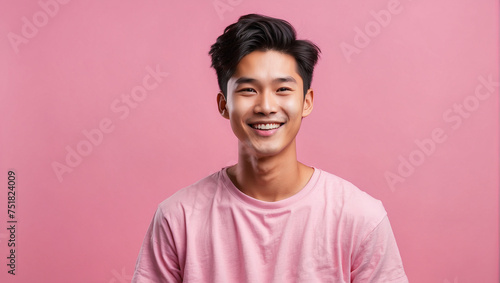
(267, 152)
(267, 149)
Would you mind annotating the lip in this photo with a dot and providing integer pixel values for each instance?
(265, 122)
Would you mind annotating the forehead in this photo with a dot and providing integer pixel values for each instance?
(266, 66)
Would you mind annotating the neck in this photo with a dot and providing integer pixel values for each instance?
(269, 178)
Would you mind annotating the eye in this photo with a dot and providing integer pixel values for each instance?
(284, 89)
(246, 90)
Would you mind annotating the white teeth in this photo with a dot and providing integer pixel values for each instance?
(266, 126)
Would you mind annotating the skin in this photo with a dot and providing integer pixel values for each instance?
(267, 167)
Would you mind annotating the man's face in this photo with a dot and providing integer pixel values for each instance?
(265, 102)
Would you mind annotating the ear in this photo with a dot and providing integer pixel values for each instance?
(308, 103)
(222, 105)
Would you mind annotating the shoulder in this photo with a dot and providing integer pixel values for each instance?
(192, 197)
(352, 203)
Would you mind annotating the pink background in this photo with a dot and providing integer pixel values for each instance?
(399, 86)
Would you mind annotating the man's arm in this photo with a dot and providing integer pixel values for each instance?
(158, 261)
(378, 258)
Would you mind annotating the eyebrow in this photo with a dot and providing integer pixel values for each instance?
(243, 80)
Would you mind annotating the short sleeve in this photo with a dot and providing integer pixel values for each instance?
(157, 260)
(378, 258)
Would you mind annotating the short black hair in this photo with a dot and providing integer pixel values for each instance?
(258, 32)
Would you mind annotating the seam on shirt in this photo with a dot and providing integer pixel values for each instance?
(373, 230)
(297, 202)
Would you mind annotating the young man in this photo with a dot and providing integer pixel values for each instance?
(268, 218)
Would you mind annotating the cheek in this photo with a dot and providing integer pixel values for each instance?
(293, 108)
(238, 109)
(237, 114)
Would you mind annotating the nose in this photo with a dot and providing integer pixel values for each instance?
(266, 103)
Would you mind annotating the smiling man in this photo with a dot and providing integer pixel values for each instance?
(269, 217)
(265, 106)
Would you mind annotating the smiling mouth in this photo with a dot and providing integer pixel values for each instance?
(266, 127)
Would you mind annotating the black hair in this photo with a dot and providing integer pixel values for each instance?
(258, 32)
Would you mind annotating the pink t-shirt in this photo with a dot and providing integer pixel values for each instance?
(330, 231)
